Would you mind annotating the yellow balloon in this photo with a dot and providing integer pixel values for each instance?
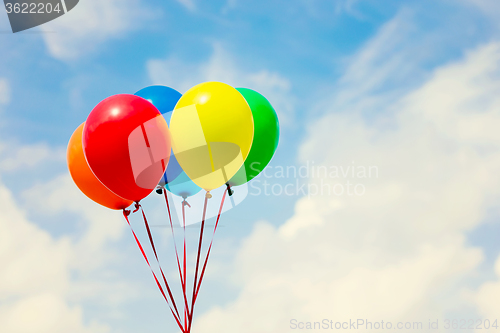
(212, 133)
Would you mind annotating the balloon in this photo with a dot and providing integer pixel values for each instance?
(127, 145)
(173, 171)
(164, 99)
(212, 132)
(85, 179)
(183, 186)
(265, 139)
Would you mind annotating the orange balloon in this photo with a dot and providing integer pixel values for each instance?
(85, 179)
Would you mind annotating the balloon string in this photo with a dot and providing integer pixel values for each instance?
(126, 213)
(211, 242)
(185, 319)
(173, 237)
(183, 282)
(157, 260)
(186, 308)
(197, 263)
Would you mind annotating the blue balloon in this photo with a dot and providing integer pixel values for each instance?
(183, 186)
(173, 171)
(164, 99)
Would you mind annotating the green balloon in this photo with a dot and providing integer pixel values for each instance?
(265, 138)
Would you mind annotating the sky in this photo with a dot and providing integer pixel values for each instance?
(391, 110)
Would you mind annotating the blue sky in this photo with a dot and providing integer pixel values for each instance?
(306, 42)
(408, 86)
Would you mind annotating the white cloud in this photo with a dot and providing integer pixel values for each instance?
(4, 91)
(103, 225)
(35, 276)
(221, 66)
(488, 295)
(39, 260)
(189, 4)
(489, 7)
(348, 6)
(45, 313)
(90, 24)
(399, 252)
(383, 69)
(230, 4)
(45, 280)
(21, 157)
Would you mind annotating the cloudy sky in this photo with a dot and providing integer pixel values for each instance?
(399, 103)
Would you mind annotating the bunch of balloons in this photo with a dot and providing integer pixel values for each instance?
(214, 135)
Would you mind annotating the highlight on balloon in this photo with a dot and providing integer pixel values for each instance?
(195, 150)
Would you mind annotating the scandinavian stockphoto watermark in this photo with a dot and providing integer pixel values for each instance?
(305, 180)
(310, 179)
(26, 14)
(356, 324)
(383, 325)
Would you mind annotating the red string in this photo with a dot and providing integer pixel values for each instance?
(126, 213)
(211, 242)
(186, 308)
(156, 256)
(197, 263)
(173, 236)
(185, 318)
(183, 281)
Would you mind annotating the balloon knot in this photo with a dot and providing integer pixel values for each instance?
(126, 212)
(159, 190)
(229, 190)
(137, 207)
(208, 195)
(185, 203)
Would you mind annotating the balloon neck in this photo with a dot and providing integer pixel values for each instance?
(229, 190)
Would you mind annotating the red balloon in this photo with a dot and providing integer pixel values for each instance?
(85, 179)
(127, 145)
